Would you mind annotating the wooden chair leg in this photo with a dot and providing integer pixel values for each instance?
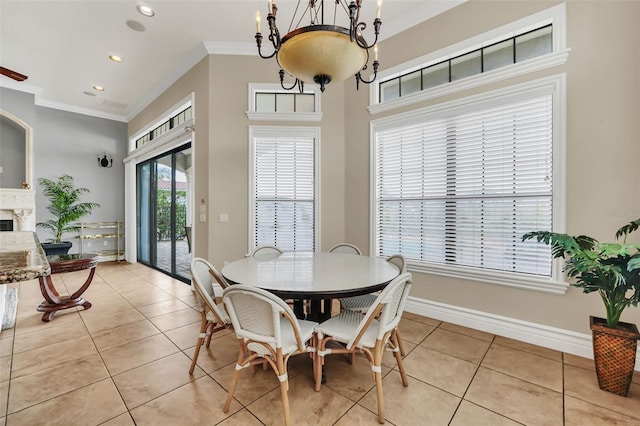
(378, 379)
(232, 389)
(210, 330)
(376, 367)
(403, 374)
(234, 380)
(195, 357)
(203, 329)
(399, 341)
(284, 388)
(284, 385)
(395, 340)
(319, 364)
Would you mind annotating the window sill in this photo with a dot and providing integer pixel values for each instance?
(521, 281)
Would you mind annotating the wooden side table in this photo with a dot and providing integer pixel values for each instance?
(59, 264)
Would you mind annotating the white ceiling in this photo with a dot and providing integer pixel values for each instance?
(63, 46)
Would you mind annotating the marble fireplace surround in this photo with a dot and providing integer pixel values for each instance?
(18, 205)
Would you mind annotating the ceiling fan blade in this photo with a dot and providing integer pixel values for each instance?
(12, 74)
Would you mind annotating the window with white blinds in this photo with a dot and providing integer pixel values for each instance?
(458, 186)
(283, 188)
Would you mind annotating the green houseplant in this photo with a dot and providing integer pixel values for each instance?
(613, 270)
(66, 208)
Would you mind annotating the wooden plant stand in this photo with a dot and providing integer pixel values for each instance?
(60, 264)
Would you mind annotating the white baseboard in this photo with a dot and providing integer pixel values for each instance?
(542, 335)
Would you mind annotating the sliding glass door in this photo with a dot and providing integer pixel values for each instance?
(164, 212)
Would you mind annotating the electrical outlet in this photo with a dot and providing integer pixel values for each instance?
(106, 243)
(88, 244)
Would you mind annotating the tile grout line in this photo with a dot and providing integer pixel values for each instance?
(471, 381)
(493, 341)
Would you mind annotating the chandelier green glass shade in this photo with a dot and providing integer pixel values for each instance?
(321, 53)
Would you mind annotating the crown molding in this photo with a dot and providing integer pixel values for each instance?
(40, 100)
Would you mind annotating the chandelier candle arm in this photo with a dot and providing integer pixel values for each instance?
(359, 78)
(319, 52)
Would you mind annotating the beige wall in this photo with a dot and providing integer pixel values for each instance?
(229, 150)
(221, 147)
(603, 149)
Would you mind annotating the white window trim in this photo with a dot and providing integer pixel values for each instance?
(282, 116)
(555, 15)
(557, 85)
(274, 131)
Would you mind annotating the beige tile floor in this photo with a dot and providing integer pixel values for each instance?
(125, 361)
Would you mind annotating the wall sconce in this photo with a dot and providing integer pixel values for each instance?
(105, 162)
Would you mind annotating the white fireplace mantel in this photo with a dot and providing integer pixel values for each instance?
(18, 205)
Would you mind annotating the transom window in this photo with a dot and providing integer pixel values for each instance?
(271, 103)
(284, 102)
(530, 44)
(505, 52)
(172, 122)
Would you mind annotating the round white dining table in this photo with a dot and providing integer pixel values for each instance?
(314, 276)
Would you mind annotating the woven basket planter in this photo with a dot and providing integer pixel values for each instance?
(614, 353)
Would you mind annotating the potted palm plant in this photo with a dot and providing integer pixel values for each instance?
(613, 270)
(66, 208)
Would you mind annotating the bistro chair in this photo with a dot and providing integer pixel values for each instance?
(267, 330)
(265, 250)
(362, 303)
(209, 285)
(370, 334)
(262, 250)
(345, 248)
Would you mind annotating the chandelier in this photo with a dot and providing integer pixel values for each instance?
(321, 52)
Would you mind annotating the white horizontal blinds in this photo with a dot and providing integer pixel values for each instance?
(284, 176)
(411, 189)
(463, 189)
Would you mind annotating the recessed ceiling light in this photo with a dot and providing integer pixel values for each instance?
(115, 58)
(145, 10)
(98, 88)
